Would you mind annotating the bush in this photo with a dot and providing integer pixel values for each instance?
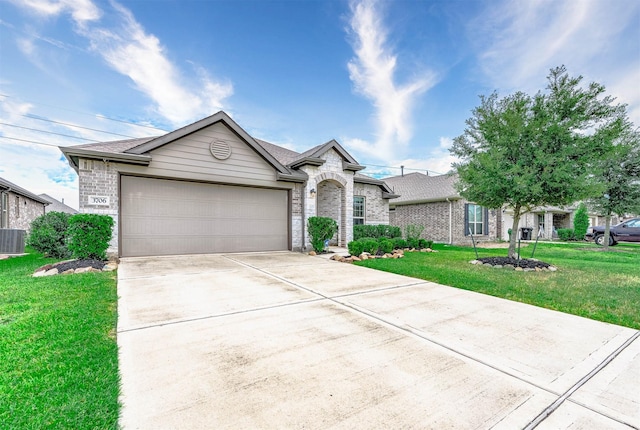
(400, 243)
(49, 234)
(375, 231)
(566, 234)
(413, 231)
(356, 247)
(370, 245)
(385, 245)
(580, 222)
(423, 243)
(321, 229)
(413, 243)
(89, 235)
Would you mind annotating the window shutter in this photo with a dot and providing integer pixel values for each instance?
(466, 219)
(486, 221)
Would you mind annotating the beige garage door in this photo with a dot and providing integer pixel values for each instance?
(166, 217)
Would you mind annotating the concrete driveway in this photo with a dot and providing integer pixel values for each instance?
(288, 341)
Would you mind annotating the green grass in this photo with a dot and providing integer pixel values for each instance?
(603, 286)
(58, 351)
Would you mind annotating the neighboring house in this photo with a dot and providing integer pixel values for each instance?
(19, 207)
(211, 187)
(57, 206)
(433, 202)
(546, 220)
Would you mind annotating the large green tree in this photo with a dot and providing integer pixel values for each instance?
(619, 175)
(526, 151)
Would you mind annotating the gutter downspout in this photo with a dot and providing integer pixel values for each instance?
(450, 220)
(303, 210)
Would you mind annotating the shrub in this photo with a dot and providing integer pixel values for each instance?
(370, 245)
(375, 231)
(413, 231)
(321, 229)
(413, 243)
(356, 247)
(566, 234)
(423, 243)
(580, 222)
(89, 235)
(385, 245)
(49, 234)
(400, 243)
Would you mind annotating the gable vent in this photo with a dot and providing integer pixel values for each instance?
(220, 149)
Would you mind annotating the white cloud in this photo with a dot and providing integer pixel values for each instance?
(518, 42)
(372, 71)
(82, 11)
(128, 49)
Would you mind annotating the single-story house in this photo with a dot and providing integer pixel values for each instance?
(433, 202)
(211, 187)
(19, 207)
(57, 205)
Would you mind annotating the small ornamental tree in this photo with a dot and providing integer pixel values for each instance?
(49, 234)
(321, 229)
(527, 151)
(580, 222)
(89, 235)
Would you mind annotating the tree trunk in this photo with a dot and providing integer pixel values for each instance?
(514, 231)
(607, 232)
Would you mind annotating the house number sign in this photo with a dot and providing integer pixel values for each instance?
(99, 200)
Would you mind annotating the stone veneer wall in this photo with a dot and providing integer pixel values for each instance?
(99, 178)
(435, 218)
(22, 211)
(332, 171)
(376, 208)
(296, 217)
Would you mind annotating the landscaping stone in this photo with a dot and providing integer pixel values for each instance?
(50, 272)
(312, 253)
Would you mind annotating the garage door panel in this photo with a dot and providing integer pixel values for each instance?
(165, 217)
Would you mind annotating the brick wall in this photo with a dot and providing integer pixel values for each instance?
(376, 208)
(438, 226)
(22, 211)
(98, 178)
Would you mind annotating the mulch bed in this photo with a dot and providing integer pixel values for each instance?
(74, 264)
(524, 263)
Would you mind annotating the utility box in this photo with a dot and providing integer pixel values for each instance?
(12, 241)
(525, 233)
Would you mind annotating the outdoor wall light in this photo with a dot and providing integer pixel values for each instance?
(312, 192)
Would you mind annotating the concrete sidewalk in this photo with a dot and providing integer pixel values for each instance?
(284, 340)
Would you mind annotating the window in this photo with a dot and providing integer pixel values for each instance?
(4, 213)
(475, 219)
(358, 210)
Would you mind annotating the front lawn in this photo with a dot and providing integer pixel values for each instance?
(604, 286)
(58, 351)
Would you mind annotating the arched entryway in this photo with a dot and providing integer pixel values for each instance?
(331, 202)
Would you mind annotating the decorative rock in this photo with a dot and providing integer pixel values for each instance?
(312, 253)
(475, 262)
(67, 272)
(497, 266)
(335, 257)
(552, 269)
(82, 270)
(519, 269)
(528, 269)
(110, 267)
(50, 272)
(39, 273)
(354, 258)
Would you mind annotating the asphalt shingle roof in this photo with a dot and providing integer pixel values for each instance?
(6, 185)
(418, 187)
(57, 205)
(115, 146)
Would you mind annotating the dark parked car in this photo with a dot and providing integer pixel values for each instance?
(627, 231)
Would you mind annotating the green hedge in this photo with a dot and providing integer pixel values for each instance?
(374, 245)
(49, 234)
(321, 229)
(89, 235)
(566, 234)
(375, 231)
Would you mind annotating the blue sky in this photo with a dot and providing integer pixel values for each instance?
(392, 81)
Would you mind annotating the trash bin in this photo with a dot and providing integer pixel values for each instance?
(525, 233)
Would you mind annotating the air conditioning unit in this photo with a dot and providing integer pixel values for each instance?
(12, 241)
